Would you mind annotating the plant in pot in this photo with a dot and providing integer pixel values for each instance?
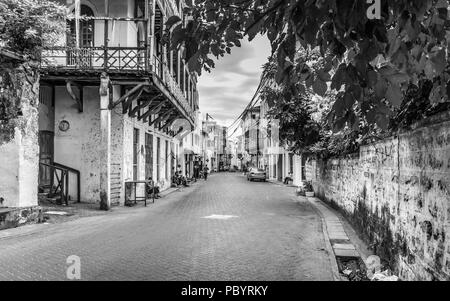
(309, 191)
(300, 191)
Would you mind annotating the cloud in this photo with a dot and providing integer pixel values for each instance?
(226, 91)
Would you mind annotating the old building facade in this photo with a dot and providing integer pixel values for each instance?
(114, 102)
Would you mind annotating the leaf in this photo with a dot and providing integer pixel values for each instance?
(324, 76)
(438, 60)
(394, 95)
(435, 94)
(339, 107)
(194, 64)
(309, 81)
(380, 89)
(382, 121)
(448, 89)
(320, 87)
(398, 78)
(254, 29)
(339, 124)
(349, 100)
(372, 79)
(339, 77)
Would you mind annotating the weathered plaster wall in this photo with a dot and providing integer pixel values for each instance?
(297, 177)
(78, 147)
(129, 125)
(19, 147)
(397, 193)
(117, 155)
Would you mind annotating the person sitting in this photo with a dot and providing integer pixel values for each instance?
(288, 179)
(183, 180)
(154, 191)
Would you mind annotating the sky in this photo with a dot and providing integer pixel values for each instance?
(226, 91)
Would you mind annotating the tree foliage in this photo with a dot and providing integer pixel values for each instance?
(369, 63)
(27, 25)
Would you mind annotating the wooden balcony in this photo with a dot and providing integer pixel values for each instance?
(109, 59)
(125, 63)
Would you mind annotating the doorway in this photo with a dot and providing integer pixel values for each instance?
(148, 156)
(46, 159)
(280, 167)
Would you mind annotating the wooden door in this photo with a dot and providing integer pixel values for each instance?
(148, 156)
(280, 167)
(46, 156)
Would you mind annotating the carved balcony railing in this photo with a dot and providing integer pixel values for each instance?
(96, 58)
(112, 59)
(161, 70)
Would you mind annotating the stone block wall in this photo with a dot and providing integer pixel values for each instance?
(15, 217)
(396, 193)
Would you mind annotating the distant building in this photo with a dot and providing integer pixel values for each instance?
(259, 146)
(215, 145)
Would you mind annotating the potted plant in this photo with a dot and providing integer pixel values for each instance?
(309, 190)
(300, 191)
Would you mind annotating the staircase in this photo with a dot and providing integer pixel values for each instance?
(57, 192)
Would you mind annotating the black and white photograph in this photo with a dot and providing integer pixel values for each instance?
(224, 145)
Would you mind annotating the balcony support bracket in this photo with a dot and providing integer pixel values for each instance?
(78, 100)
(169, 122)
(161, 117)
(152, 109)
(136, 90)
(145, 104)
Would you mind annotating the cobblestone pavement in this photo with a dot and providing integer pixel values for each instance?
(272, 236)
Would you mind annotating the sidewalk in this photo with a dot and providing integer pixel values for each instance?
(59, 214)
(350, 252)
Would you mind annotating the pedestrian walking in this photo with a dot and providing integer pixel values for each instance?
(205, 172)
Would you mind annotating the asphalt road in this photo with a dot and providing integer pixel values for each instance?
(223, 229)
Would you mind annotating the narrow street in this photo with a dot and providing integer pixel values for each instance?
(224, 229)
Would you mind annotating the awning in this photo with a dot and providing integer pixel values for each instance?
(189, 152)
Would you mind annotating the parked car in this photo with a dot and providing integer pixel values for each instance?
(256, 174)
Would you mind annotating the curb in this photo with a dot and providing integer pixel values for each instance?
(171, 190)
(331, 255)
(338, 249)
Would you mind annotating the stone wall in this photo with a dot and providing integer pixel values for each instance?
(19, 147)
(16, 217)
(396, 193)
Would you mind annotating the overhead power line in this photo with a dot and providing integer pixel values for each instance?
(250, 105)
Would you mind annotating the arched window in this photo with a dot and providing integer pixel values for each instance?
(86, 38)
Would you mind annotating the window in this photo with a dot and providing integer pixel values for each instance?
(85, 39)
(139, 9)
(167, 160)
(158, 158)
(86, 28)
(135, 153)
(291, 163)
(172, 159)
